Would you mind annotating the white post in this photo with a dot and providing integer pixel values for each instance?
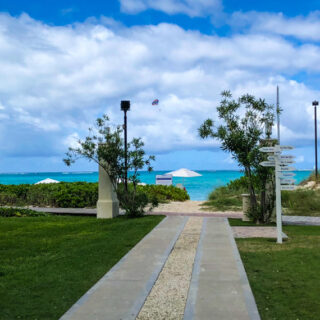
(278, 196)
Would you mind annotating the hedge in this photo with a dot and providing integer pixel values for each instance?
(73, 194)
(19, 212)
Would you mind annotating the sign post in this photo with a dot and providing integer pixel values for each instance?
(282, 176)
(278, 200)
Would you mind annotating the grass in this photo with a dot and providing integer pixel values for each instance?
(301, 202)
(48, 263)
(285, 278)
(239, 223)
(223, 199)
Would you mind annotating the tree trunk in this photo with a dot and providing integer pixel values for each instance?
(253, 198)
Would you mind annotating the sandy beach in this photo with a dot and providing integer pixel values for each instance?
(190, 206)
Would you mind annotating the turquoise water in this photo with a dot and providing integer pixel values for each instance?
(198, 187)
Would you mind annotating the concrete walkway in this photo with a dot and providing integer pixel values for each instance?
(218, 286)
(121, 293)
(301, 220)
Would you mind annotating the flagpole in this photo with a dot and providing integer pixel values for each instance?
(278, 115)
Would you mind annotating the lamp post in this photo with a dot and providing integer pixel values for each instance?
(125, 106)
(315, 104)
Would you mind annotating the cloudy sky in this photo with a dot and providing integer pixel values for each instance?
(65, 62)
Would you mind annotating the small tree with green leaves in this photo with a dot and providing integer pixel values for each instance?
(105, 146)
(244, 122)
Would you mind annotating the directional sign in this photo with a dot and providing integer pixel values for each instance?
(288, 188)
(268, 163)
(286, 147)
(287, 174)
(286, 161)
(285, 168)
(287, 181)
(271, 158)
(287, 157)
(267, 149)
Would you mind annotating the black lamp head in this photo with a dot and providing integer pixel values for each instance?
(315, 103)
(125, 105)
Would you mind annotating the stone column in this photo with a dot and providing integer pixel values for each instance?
(108, 204)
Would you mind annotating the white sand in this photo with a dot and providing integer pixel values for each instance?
(189, 206)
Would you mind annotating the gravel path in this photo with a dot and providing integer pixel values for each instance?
(168, 296)
(256, 232)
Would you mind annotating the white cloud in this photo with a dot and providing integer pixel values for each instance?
(72, 140)
(192, 8)
(301, 27)
(57, 80)
(300, 159)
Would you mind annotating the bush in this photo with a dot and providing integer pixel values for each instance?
(75, 194)
(164, 193)
(134, 202)
(19, 212)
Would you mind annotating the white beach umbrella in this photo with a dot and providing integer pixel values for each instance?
(184, 173)
(48, 180)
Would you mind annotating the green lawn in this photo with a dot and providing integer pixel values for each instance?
(234, 222)
(48, 263)
(285, 278)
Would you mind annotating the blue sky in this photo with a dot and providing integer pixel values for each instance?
(64, 63)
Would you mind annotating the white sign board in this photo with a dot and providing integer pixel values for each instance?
(285, 161)
(288, 188)
(286, 147)
(165, 179)
(267, 149)
(286, 168)
(287, 157)
(287, 181)
(268, 163)
(287, 174)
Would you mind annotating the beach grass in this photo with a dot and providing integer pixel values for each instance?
(224, 199)
(48, 263)
(285, 278)
(301, 202)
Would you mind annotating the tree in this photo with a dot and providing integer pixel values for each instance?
(105, 146)
(244, 122)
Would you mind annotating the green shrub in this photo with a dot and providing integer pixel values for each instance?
(75, 194)
(19, 212)
(164, 193)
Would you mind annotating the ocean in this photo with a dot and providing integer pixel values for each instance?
(198, 187)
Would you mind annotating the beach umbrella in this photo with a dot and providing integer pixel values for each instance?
(48, 180)
(184, 173)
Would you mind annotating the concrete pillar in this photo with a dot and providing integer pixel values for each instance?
(108, 204)
(245, 206)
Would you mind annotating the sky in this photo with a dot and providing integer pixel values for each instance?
(65, 63)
